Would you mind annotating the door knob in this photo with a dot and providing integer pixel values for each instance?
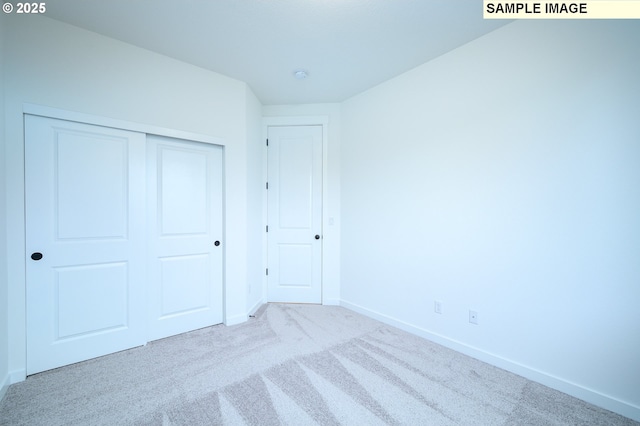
(317, 237)
(217, 243)
(36, 256)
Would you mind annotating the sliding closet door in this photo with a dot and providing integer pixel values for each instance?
(124, 239)
(185, 235)
(85, 241)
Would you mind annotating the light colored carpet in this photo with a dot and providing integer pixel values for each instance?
(292, 365)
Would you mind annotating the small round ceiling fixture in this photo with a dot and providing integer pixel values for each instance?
(300, 74)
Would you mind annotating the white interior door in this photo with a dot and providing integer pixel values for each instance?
(85, 241)
(185, 235)
(295, 214)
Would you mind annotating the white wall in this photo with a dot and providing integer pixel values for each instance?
(57, 65)
(331, 190)
(504, 177)
(4, 318)
(501, 177)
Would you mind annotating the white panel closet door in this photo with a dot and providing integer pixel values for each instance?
(295, 214)
(185, 235)
(85, 241)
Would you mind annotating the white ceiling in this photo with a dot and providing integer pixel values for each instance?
(346, 46)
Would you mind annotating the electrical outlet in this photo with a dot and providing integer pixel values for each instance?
(473, 317)
(437, 307)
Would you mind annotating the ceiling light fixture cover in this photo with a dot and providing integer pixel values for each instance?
(300, 74)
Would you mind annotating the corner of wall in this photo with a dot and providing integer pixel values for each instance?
(253, 136)
(4, 285)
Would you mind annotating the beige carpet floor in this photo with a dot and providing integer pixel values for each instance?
(292, 365)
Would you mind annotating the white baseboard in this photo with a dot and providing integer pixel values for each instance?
(255, 307)
(17, 376)
(580, 392)
(331, 302)
(11, 378)
(239, 319)
(4, 385)
(235, 320)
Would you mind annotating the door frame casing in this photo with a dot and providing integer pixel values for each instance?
(290, 121)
